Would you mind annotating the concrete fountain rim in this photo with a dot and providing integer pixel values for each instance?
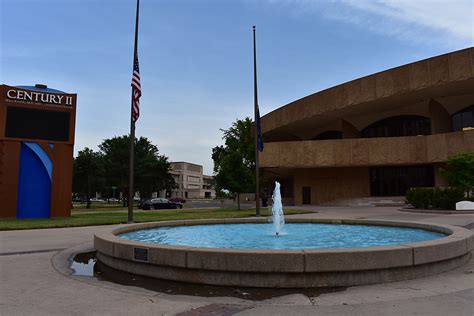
(453, 234)
(286, 268)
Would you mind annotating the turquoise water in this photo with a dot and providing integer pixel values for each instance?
(294, 236)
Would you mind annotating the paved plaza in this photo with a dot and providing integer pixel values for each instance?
(36, 280)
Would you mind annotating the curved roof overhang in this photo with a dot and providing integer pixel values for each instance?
(442, 77)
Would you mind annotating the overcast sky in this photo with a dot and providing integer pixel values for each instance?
(196, 57)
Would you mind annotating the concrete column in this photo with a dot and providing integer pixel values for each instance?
(439, 180)
(297, 188)
(349, 130)
(441, 121)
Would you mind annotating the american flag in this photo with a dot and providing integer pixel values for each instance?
(136, 90)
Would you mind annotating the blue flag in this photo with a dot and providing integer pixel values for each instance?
(259, 131)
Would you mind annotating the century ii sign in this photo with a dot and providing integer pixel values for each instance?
(41, 97)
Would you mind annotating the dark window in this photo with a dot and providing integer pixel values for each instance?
(463, 118)
(37, 124)
(395, 181)
(329, 135)
(405, 125)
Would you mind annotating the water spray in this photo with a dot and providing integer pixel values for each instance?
(278, 217)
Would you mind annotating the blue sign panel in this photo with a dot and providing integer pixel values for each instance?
(34, 185)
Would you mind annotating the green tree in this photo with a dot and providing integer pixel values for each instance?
(234, 163)
(239, 138)
(87, 174)
(151, 169)
(459, 171)
(116, 159)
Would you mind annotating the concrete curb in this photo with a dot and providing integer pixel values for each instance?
(445, 212)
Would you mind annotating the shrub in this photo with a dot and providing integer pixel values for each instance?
(460, 171)
(434, 198)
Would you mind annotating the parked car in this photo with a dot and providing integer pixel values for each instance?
(178, 200)
(160, 203)
(114, 200)
(96, 200)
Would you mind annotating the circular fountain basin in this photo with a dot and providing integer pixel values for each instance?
(310, 253)
(295, 236)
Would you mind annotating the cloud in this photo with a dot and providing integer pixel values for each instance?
(448, 21)
(452, 16)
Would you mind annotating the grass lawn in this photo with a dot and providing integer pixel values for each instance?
(104, 217)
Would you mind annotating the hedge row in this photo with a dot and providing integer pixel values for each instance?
(434, 198)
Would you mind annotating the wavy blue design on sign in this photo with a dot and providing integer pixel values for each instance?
(48, 164)
(34, 183)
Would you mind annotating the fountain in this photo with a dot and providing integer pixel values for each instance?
(278, 218)
(316, 252)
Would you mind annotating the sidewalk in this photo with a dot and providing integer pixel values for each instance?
(35, 280)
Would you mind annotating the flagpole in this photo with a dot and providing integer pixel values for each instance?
(255, 108)
(132, 131)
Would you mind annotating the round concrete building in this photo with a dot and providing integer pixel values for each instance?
(374, 136)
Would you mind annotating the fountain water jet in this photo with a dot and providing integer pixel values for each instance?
(278, 218)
